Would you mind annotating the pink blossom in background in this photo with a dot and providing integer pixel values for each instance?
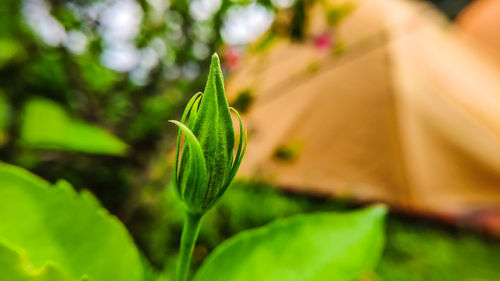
(232, 57)
(323, 42)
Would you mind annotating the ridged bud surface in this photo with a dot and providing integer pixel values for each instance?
(207, 164)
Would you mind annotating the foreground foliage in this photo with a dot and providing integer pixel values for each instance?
(51, 232)
(320, 247)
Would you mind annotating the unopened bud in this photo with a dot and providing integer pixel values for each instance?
(207, 164)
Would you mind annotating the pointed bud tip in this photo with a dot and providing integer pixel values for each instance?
(215, 59)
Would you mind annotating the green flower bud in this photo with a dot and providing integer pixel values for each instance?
(207, 164)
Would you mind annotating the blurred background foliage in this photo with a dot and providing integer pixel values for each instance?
(87, 87)
(103, 77)
(98, 69)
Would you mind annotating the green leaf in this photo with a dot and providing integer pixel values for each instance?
(318, 247)
(47, 126)
(56, 225)
(15, 266)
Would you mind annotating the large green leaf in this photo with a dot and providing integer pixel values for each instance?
(46, 125)
(55, 224)
(15, 266)
(319, 247)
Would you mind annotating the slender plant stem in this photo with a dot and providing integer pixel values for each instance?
(188, 239)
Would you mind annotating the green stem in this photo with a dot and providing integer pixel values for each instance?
(188, 239)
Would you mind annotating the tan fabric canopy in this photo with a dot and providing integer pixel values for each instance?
(408, 114)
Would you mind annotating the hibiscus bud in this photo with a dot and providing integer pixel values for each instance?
(207, 164)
